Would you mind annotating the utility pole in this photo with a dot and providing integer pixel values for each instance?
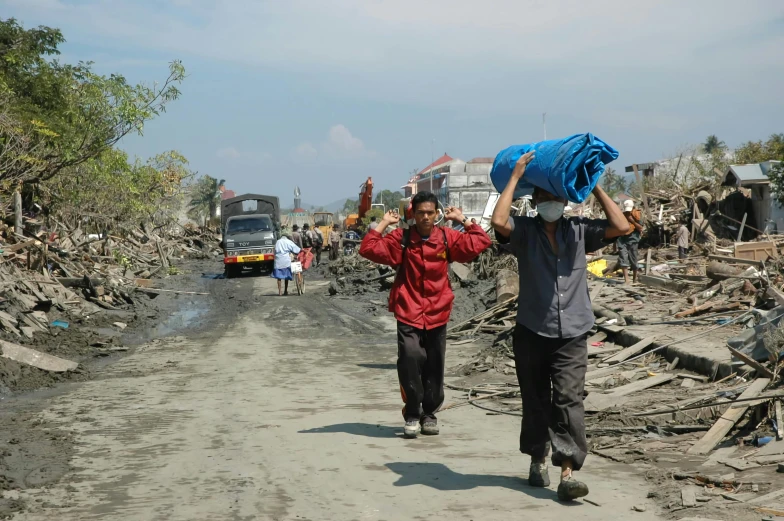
(432, 160)
(544, 124)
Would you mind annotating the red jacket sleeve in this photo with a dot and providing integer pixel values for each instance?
(382, 250)
(465, 247)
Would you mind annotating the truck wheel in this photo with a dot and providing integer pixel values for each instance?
(231, 271)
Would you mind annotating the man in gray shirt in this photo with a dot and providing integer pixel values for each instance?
(553, 318)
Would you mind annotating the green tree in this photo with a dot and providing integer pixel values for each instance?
(613, 183)
(373, 212)
(76, 113)
(776, 177)
(205, 196)
(713, 144)
(110, 191)
(388, 198)
(351, 206)
(758, 151)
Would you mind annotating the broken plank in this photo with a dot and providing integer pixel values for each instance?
(16, 247)
(598, 351)
(779, 421)
(761, 369)
(771, 511)
(598, 337)
(728, 420)
(734, 260)
(597, 291)
(661, 282)
(739, 464)
(599, 402)
(772, 496)
(774, 459)
(35, 358)
(631, 351)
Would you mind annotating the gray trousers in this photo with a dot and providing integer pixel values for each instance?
(628, 246)
(551, 374)
(421, 354)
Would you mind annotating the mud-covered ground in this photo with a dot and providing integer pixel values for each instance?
(32, 454)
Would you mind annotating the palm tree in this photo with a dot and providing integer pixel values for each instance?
(613, 183)
(204, 198)
(713, 144)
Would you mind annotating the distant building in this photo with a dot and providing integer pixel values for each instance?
(422, 180)
(469, 186)
(455, 182)
(767, 212)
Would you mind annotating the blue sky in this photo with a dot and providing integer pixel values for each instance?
(324, 93)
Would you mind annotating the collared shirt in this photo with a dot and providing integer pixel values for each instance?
(334, 236)
(683, 237)
(554, 300)
(373, 225)
(283, 248)
(319, 235)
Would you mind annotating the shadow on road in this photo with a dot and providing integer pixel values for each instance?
(378, 366)
(358, 429)
(441, 477)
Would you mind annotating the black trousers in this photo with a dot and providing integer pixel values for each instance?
(333, 252)
(420, 370)
(317, 249)
(551, 374)
(683, 252)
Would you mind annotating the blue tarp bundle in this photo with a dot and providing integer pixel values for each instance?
(567, 167)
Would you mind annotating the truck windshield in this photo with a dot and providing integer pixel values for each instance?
(251, 225)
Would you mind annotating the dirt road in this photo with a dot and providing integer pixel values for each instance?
(290, 412)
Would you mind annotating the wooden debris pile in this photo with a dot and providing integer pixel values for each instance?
(52, 278)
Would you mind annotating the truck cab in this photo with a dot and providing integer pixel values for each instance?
(249, 241)
(250, 226)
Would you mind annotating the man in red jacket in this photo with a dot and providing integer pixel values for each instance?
(421, 299)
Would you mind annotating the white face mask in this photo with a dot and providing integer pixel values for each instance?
(550, 210)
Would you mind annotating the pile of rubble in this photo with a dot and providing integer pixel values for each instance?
(685, 371)
(50, 280)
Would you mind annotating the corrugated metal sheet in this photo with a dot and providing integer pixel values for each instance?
(738, 175)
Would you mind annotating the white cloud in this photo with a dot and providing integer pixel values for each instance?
(340, 142)
(305, 151)
(339, 145)
(228, 153)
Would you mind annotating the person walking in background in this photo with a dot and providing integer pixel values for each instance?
(306, 255)
(629, 243)
(334, 242)
(373, 223)
(554, 317)
(296, 236)
(421, 299)
(318, 243)
(683, 241)
(284, 249)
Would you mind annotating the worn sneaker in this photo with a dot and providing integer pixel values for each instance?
(411, 429)
(537, 475)
(570, 489)
(430, 428)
